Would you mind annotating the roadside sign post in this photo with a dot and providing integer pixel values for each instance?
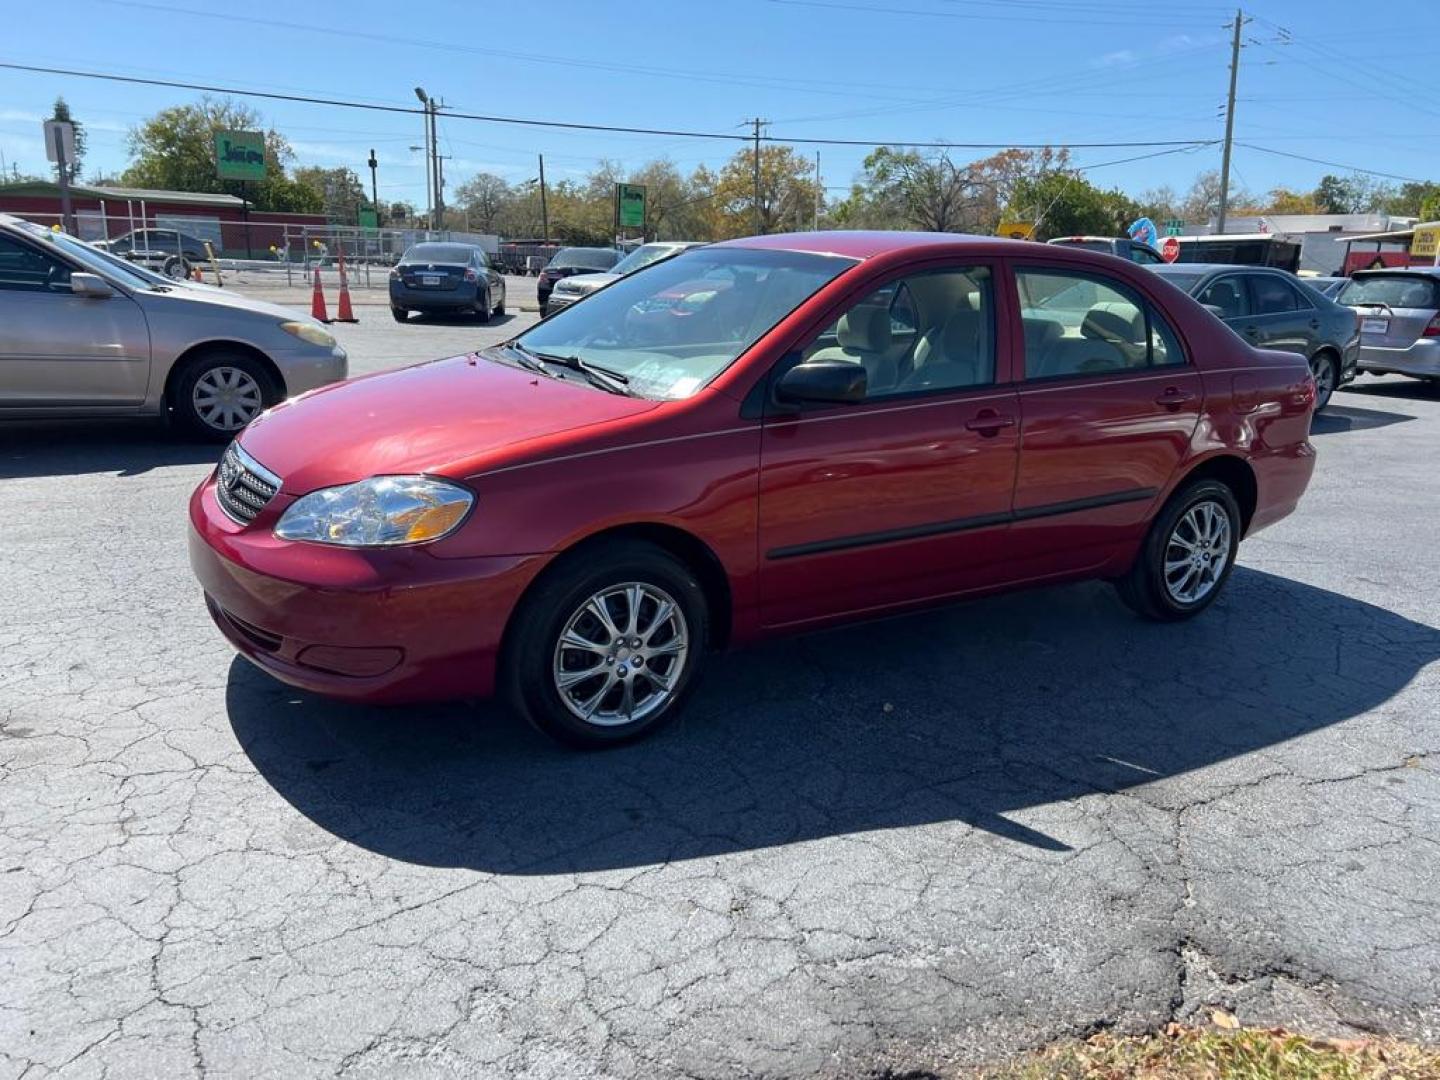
(1016, 230)
(1425, 244)
(240, 155)
(60, 148)
(629, 207)
(1170, 249)
(1174, 226)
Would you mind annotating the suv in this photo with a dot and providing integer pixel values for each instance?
(1122, 246)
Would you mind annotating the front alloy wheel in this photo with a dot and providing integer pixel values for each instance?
(620, 655)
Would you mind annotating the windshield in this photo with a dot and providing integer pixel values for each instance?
(644, 255)
(114, 269)
(1396, 290)
(1181, 279)
(674, 326)
(585, 259)
(437, 253)
(118, 263)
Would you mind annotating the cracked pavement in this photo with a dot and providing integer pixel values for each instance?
(911, 844)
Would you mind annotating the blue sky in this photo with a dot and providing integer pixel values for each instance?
(1317, 79)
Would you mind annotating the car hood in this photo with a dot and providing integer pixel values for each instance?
(585, 283)
(182, 297)
(454, 418)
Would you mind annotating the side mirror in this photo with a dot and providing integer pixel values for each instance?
(1218, 312)
(91, 285)
(833, 381)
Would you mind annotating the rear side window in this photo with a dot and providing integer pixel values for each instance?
(1076, 323)
(1273, 295)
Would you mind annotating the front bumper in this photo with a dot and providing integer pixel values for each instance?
(378, 626)
(1421, 360)
(307, 368)
(560, 300)
(466, 295)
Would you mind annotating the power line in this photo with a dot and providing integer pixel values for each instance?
(1004, 18)
(1333, 164)
(576, 126)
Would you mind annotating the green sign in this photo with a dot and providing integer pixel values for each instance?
(240, 155)
(1174, 226)
(368, 220)
(630, 205)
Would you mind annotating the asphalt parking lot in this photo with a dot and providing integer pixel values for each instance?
(904, 846)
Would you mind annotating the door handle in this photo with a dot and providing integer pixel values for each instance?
(1172, 397)
(988, 422)
(1251, 331)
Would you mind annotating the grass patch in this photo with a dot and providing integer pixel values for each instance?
(1222, 1052)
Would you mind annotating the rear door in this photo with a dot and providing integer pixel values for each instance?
(1108, 405)
(1280, 318)
(62, 350)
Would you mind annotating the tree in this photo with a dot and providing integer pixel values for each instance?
(1159, 204)
(1411, 198)
(1354, 194)
(1202, 201)
(340, 191)
(787, 192)
(1284, 201)
(928, 192)
(62, 112)
(483, 197)
(174, 150)
(1065, 204)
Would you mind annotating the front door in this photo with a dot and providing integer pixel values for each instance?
(62, 350)
(1108, 406)
(905, 495)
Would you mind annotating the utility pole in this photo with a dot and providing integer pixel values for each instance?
(544, 210)
(815, 225)
(429, 162)
(440, 160)
(374, 190)
(759, 227)
(439, 167)
(1229, 122)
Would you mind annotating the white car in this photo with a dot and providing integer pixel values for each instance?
(568, 290)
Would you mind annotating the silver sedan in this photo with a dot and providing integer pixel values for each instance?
(84, 334)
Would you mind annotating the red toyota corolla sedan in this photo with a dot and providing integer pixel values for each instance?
(755, 437)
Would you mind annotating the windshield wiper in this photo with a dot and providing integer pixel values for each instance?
(527, 359)
(602, 377)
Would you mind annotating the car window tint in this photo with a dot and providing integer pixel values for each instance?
(23, 269)
(1228, 294)
(1077, 323)
(1396, 290)
(1273, 295)
(1144, 256)
(929, 332)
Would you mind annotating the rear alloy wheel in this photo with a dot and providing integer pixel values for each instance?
(1325, 370)
(606, 649)
(1187, 555)
(219, 394)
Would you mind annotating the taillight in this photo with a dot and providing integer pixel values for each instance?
(1432, 328)
(394, 273)
(471, 275)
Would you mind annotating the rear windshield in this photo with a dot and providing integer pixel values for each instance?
(586, 258)
(438, 253)
(1181, 279)
(1396, 290)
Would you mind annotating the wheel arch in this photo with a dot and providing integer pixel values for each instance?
(1235, 473)
(203, 348)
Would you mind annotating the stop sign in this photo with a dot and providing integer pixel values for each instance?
(1170, 249)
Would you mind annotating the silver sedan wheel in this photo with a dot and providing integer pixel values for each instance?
(1197, 552)
(621, 653)
(227, 398)
(1323, 370)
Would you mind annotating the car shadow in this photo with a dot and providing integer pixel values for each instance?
(76, 447)
(441, 318)
(1338, 418)
(971, 714)
(1395, 387)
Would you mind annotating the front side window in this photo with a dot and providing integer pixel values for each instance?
(23, 269)
(1077, 323)
(928, 332)
(671, 329)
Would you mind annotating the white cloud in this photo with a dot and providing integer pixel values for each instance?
(1120, 56)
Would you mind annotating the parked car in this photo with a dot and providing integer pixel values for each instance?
(836, 426)
(1327, 287)
(172, 252)
(84, 334)
(446, 277)
(1276, 310)
(1122, 246)
(568, 290)
(1399, 320)
(569, 261)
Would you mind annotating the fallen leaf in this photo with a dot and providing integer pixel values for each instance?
(1222, 1019)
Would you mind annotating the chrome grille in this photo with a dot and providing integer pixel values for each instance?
(242, 485)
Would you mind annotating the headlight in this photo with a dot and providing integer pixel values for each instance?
(309, 333)
(380, 512)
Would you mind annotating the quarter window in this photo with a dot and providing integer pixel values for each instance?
(1078, 324)
(929, 332)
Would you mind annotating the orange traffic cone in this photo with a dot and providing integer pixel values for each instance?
(196, 273)
(343, 312)
(317, 301)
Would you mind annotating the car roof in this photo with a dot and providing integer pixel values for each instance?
(864, 244)
(1215, 268)
(1418, 271)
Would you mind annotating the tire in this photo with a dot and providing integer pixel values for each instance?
(535, 659)
(1145, 588)
(239, 384)
(500, 310)
(1326, 369)
(176, 268)
(482, 307)
(399, 314)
